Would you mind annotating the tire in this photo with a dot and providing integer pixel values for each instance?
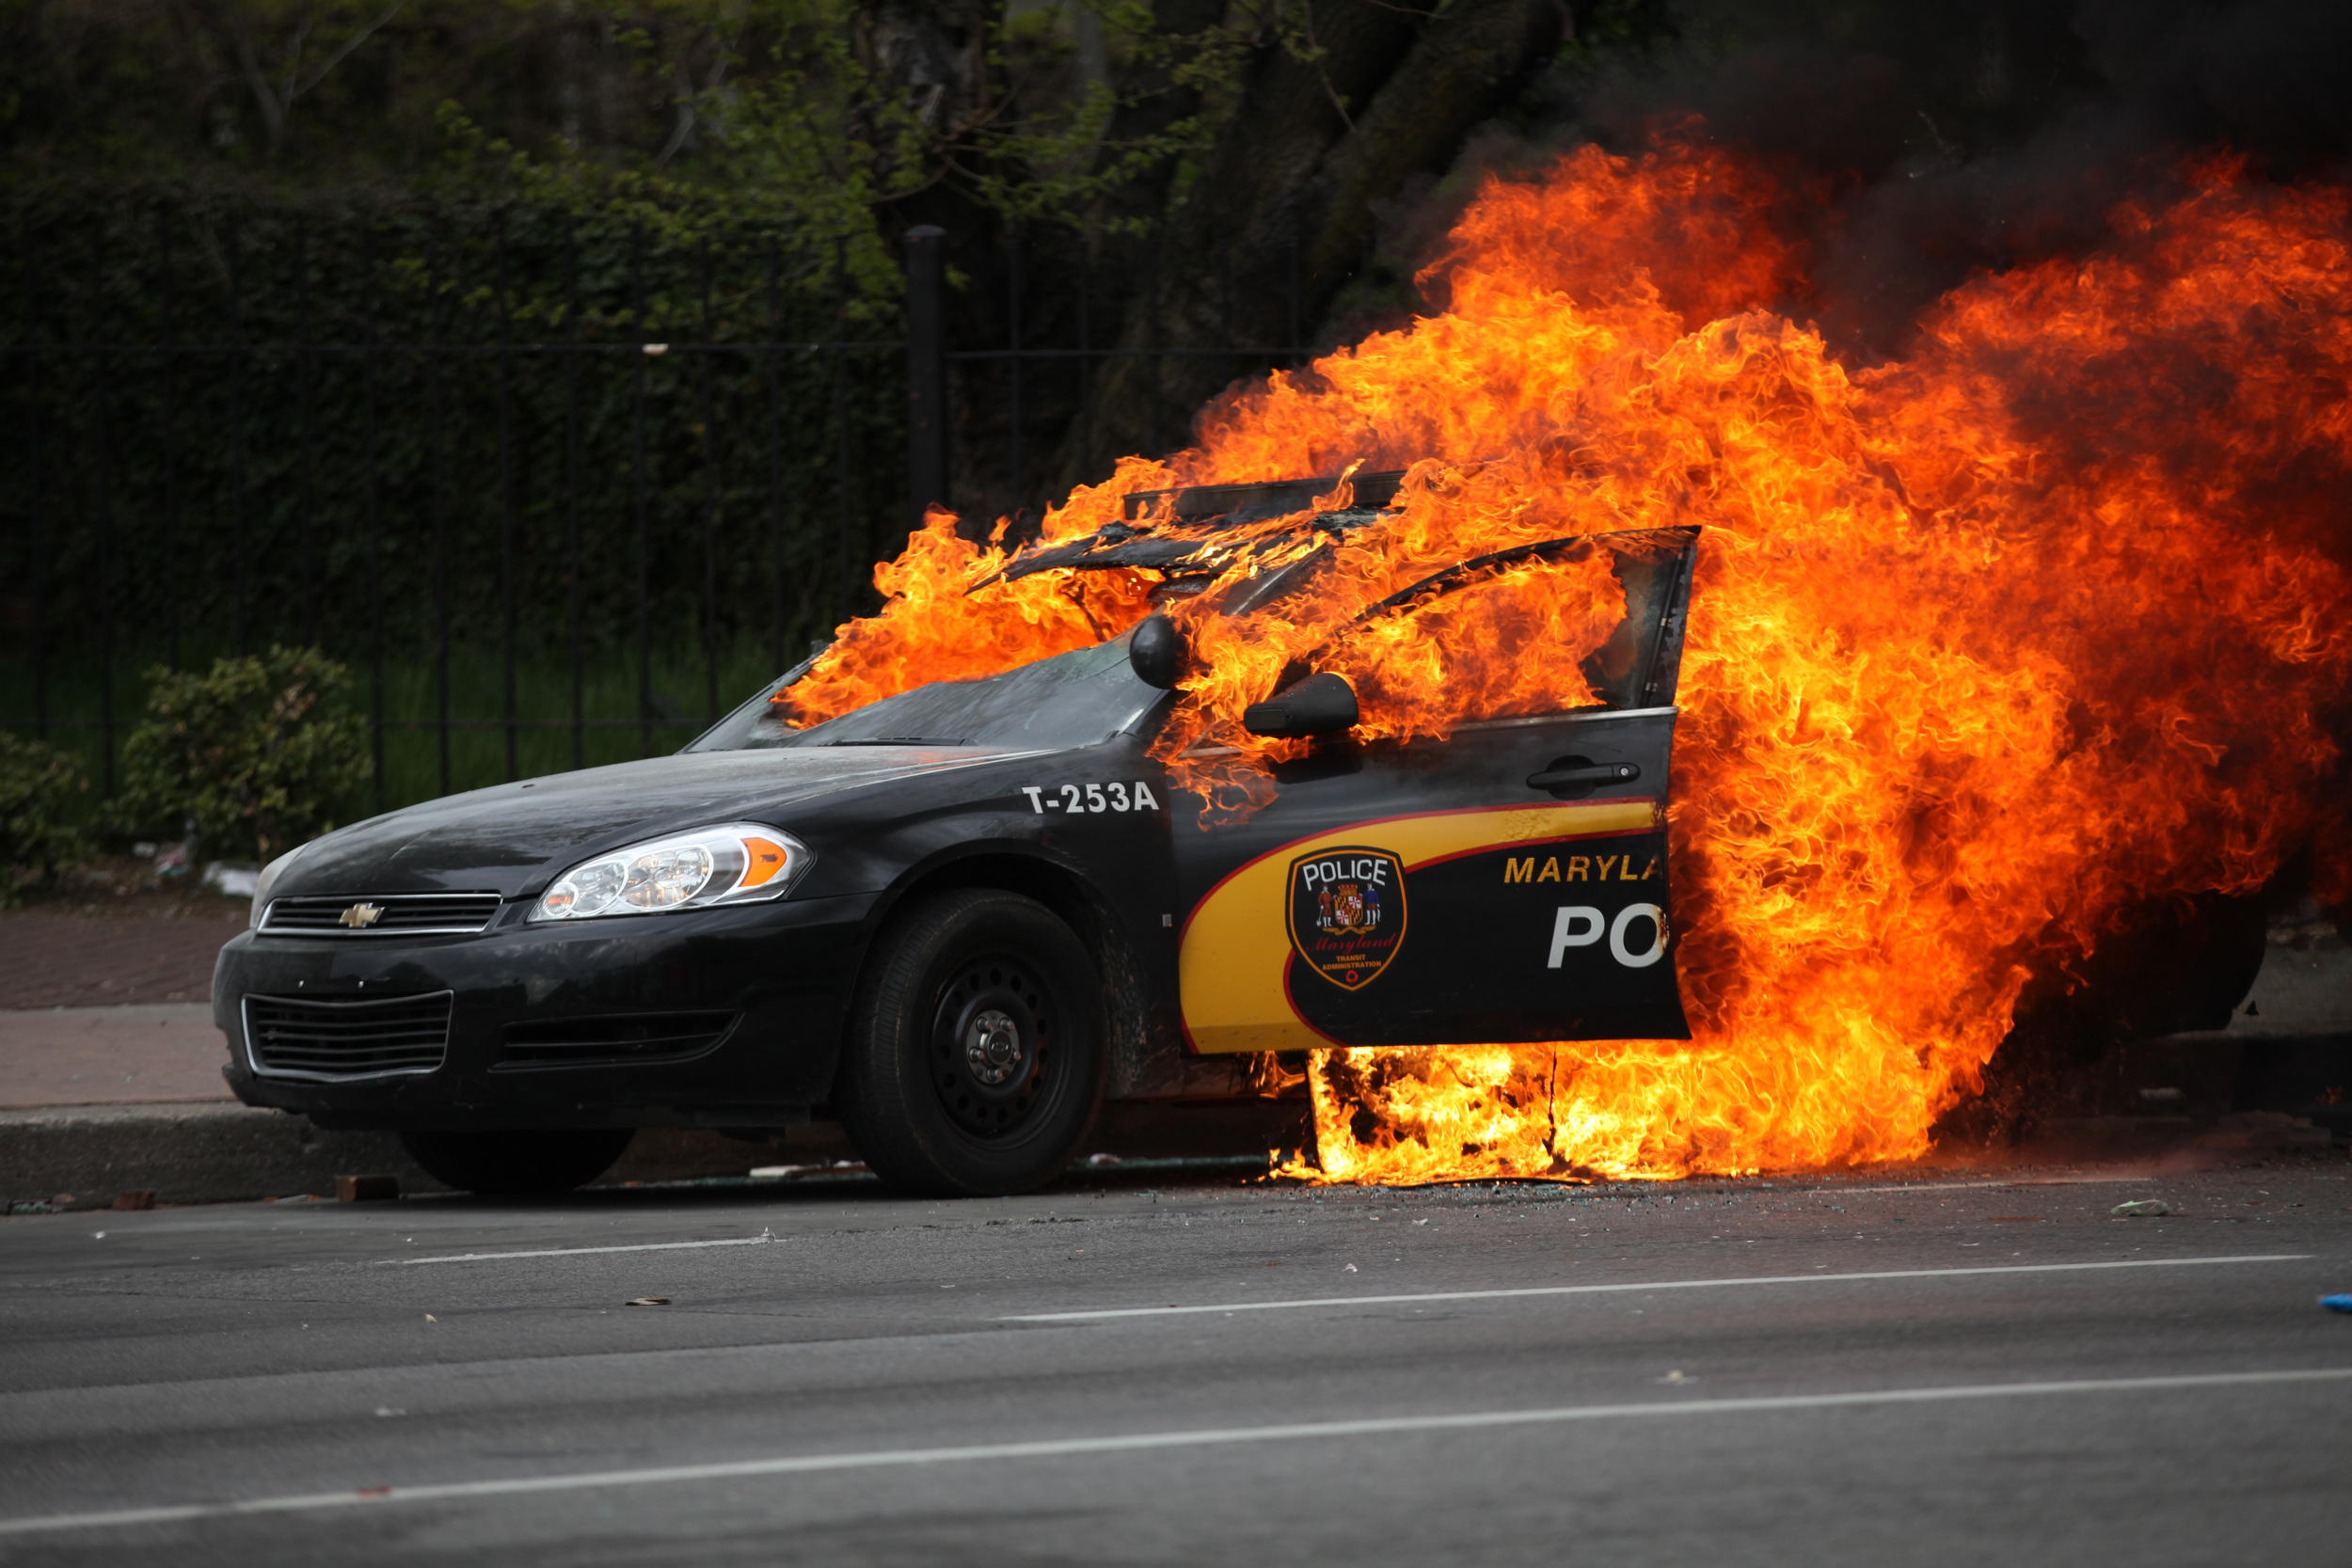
(974, 1057)
(530, 1159)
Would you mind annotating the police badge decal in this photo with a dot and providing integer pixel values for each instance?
(1347, 912)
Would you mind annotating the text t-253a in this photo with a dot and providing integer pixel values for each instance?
(1078, 799)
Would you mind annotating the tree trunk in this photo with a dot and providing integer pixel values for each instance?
(1281, 220)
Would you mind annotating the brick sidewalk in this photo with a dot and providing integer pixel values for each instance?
(77, 960)
(167, 1054)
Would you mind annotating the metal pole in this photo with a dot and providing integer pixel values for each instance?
(1085, 365)
(1151, 318)
(1012, 339)
(571, 493)
(236, 436)
(841, 420)
(775, 454)
(710, 507)
(433, 326)
(40, 628)
(168, 434)
(305, 381)
(506, 505)
(644, 611)
(369, 354)
(926, 369)
(101, 506)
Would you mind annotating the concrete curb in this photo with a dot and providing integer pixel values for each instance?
(226, 1153)
(185, 1153)
(221, 1153)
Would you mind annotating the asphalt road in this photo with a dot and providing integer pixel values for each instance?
(1964, 1369)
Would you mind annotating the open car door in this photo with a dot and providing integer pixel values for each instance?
(1508, 883)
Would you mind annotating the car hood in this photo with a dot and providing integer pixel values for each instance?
(510, 838)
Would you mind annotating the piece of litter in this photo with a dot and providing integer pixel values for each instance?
(1350, 1269)
(431, 1319)
(2337, 1304)
(647, 1301)
(2141, 1208)
(97, 1235)
(1099, 1160)
(1675, 1376)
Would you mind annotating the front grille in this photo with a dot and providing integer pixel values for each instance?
(621, 1038)
(404, 915)
(293, 1037)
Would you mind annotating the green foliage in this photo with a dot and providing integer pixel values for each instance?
(270, 494)
(685, 116)
(37, 788)
(258, 752)
(811, 120)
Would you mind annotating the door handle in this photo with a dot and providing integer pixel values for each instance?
(1600, 773)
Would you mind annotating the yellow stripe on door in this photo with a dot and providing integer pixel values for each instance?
(1236, 946)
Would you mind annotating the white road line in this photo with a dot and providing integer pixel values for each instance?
(1647, 1285)
(1956, 1186)
(1142, 1442)
(577, 1251)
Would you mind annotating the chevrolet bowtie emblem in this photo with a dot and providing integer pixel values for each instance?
(360, 916)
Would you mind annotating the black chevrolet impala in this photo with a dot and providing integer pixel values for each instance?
(959, 918)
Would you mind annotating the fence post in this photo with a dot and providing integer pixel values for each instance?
(927, 368)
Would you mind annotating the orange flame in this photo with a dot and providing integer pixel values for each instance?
(2045, 622)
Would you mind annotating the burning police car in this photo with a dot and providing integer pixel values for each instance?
(959, 917)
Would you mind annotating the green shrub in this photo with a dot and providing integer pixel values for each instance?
(257, 753)
(38, 784)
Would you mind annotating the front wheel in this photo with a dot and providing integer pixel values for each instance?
(529, 1159)
(975, 1056)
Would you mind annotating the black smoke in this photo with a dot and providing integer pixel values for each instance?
(1949, 140)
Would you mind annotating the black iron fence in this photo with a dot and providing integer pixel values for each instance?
(558, 492)
(1051, 358)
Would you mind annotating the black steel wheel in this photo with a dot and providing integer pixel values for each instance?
(527, 1160)
(974, 1060)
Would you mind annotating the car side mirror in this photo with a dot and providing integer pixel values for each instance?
(1320, 705)
(1157, 652)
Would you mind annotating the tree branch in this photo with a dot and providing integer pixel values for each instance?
(272, 112)
(340, 55)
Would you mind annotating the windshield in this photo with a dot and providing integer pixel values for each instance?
(1084, 697)
(1073, 699)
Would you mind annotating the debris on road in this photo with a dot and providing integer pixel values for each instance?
(647, 1301)
(366, 1189)
(2337, 1304)
(2142, 1208)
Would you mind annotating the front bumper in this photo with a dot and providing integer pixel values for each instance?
(783, 971)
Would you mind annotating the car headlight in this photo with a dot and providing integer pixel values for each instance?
(267, 880)
(740, 862)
